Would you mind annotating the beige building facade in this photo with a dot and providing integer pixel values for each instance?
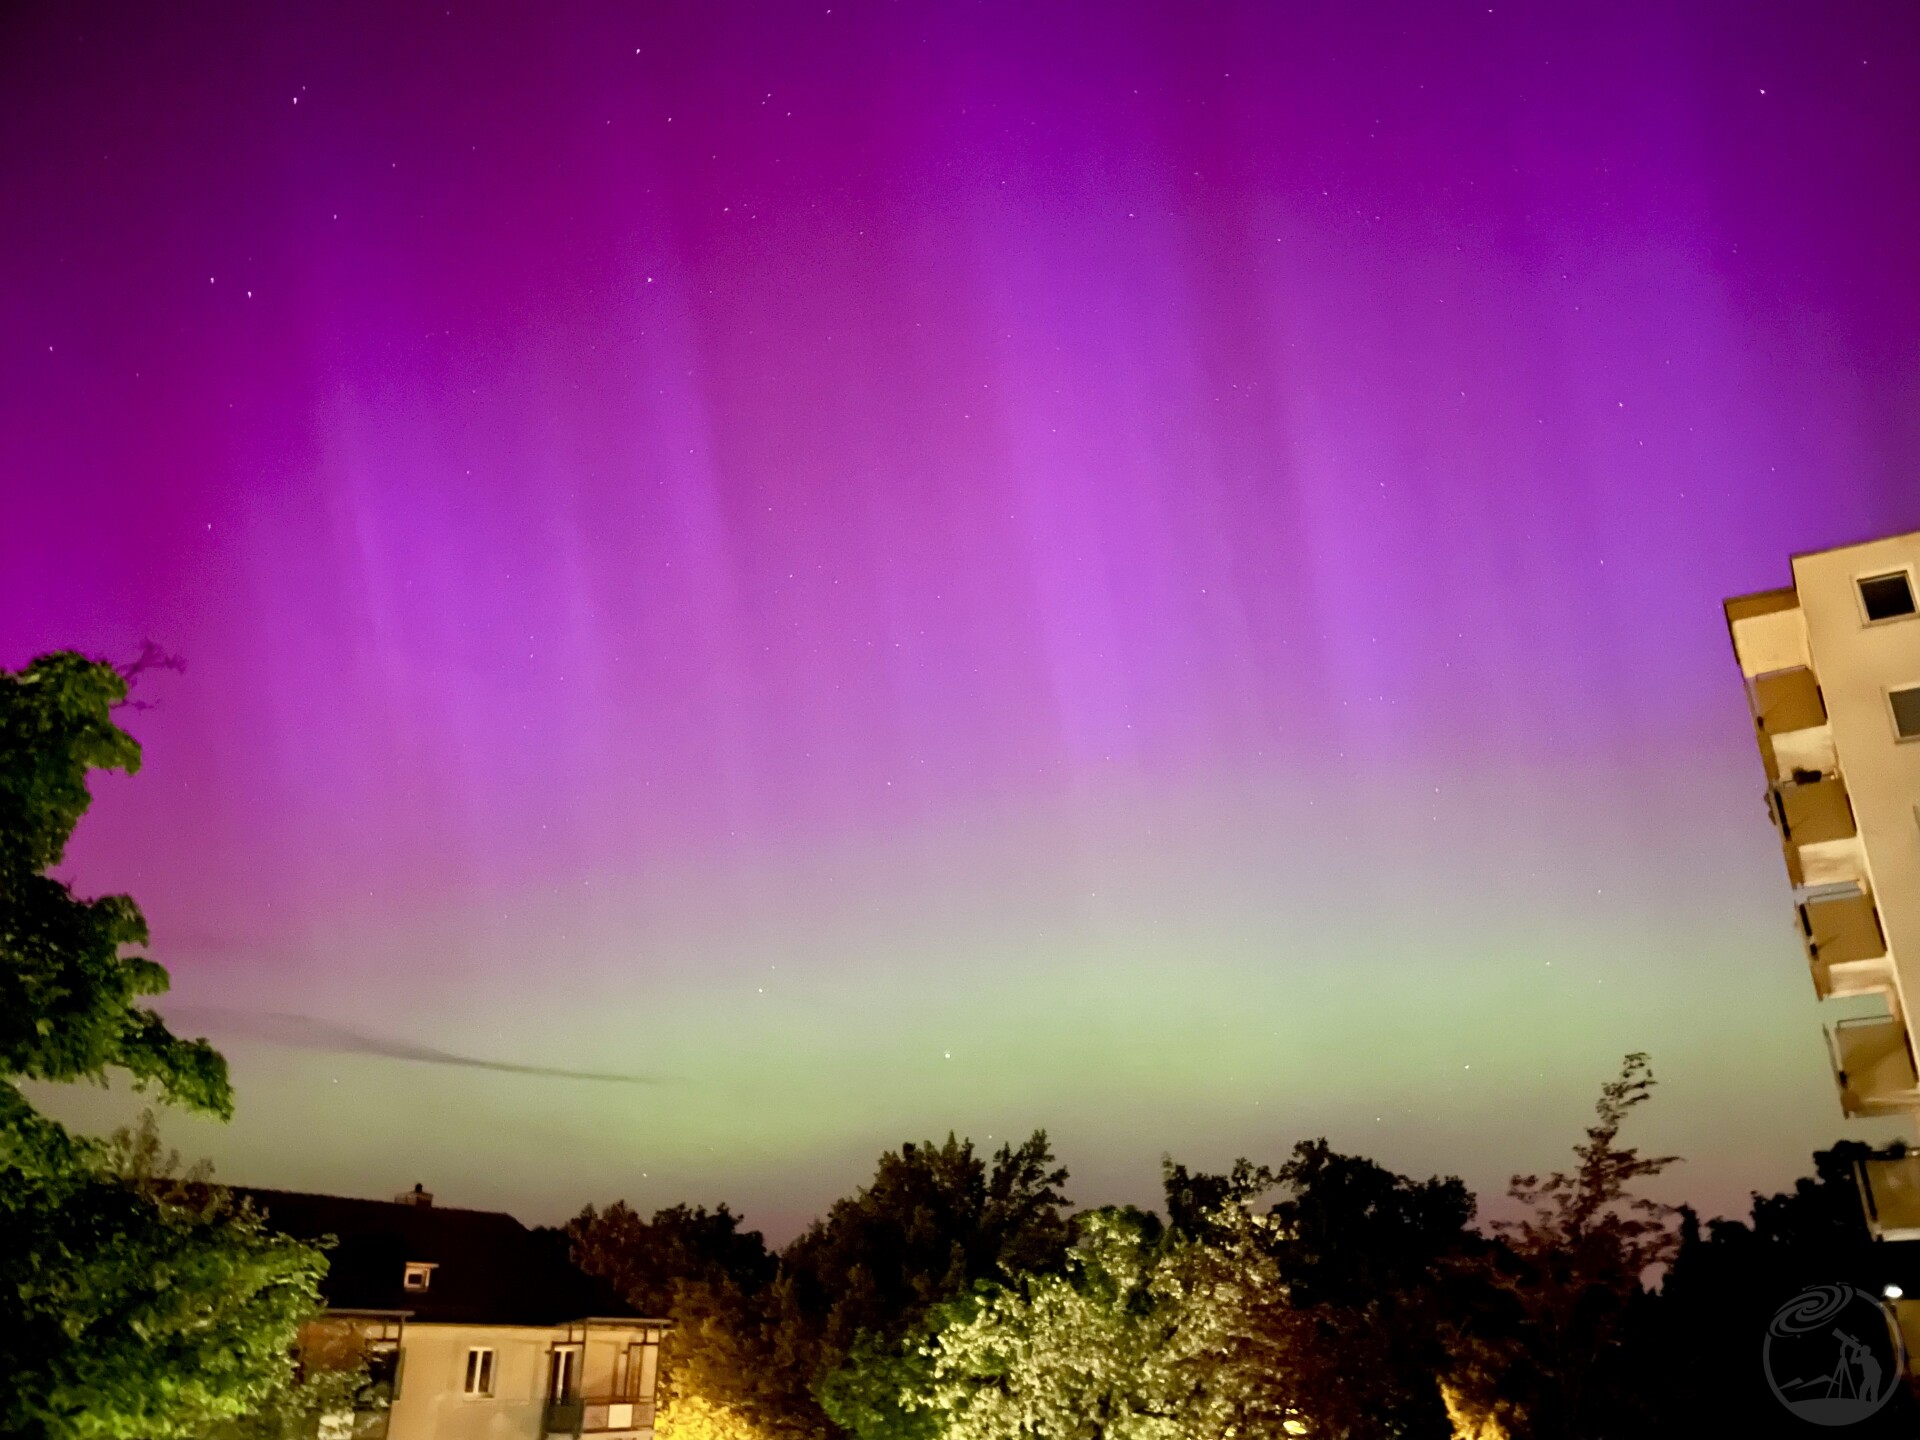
(1832, 671)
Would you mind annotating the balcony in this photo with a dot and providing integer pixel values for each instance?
(1791, 715)
(1890, 1186)
(1873, 1066)
(1816, 824)
(1845, 945)
(1815, 812)
(1788, 700)
(1769, 632)
(596, 1415)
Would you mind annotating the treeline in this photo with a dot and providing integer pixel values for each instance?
(957, 1296)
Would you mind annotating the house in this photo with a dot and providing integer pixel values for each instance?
(475, 1327)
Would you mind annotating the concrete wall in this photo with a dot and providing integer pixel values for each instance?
(433, 1369)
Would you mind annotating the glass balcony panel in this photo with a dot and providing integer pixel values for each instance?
(1890, 1185)
(1873, 1065)
(1845, 928)
(1816, 813)
(1788, 700)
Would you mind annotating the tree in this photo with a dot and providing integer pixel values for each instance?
(1548, 1356)
(131, 1305)
(714, 1281)
(1144, 1335)
(934, 1219)
(1367, 1257)
(645, 1259)
(1086, 1354)
(1729, 1278)
(1363, 1254)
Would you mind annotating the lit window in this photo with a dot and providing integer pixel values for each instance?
(1887, 597)
(418, 1276)
(479, 1372)
(1906, 712)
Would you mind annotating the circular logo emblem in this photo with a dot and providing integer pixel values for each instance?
(1833, 1354)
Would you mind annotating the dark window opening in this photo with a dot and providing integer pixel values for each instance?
(1906, 711)
(1887, 597)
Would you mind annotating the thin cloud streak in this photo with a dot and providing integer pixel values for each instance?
(305, 1032)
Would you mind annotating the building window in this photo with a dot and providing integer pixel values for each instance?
(1905, 704)
(1887, 597)
(418, 1276)
(479, 1372)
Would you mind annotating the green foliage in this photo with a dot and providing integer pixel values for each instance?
(137, 1304)
(68, 996)
(1085, 1353)
(132, 1303)
(716, 1282)
(299, 1409)
(1145, 1334)
(934, 1220)
(866, 1395)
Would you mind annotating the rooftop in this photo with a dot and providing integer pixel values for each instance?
(487, 1268)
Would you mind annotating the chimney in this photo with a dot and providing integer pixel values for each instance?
(419, 1195)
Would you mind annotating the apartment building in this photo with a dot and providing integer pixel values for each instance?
(473, 1326)
(1832, 670)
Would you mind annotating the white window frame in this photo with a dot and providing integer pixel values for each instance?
(482, 1372)
(1860, 599)
(1893, 716)
(421, 1270)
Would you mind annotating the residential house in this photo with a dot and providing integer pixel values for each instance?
(474, 1327)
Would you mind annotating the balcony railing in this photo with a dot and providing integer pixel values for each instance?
(598, 1414)
(1788, 700)
(1873, 1065)
(1845, 944)
(1890, 1186)
(1814, 812)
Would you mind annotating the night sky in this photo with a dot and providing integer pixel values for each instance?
(887, 567)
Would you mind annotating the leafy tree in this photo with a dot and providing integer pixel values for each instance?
(1549, 1356)
(1197, 1201)
(1085, 1353)
(1368, 1258)
(934, 1219)
(645, 1259)
(131, 1305)
(1364, 1255)
(1145, 1335)
(720, 1374)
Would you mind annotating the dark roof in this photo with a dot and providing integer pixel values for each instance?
(489, 1268)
